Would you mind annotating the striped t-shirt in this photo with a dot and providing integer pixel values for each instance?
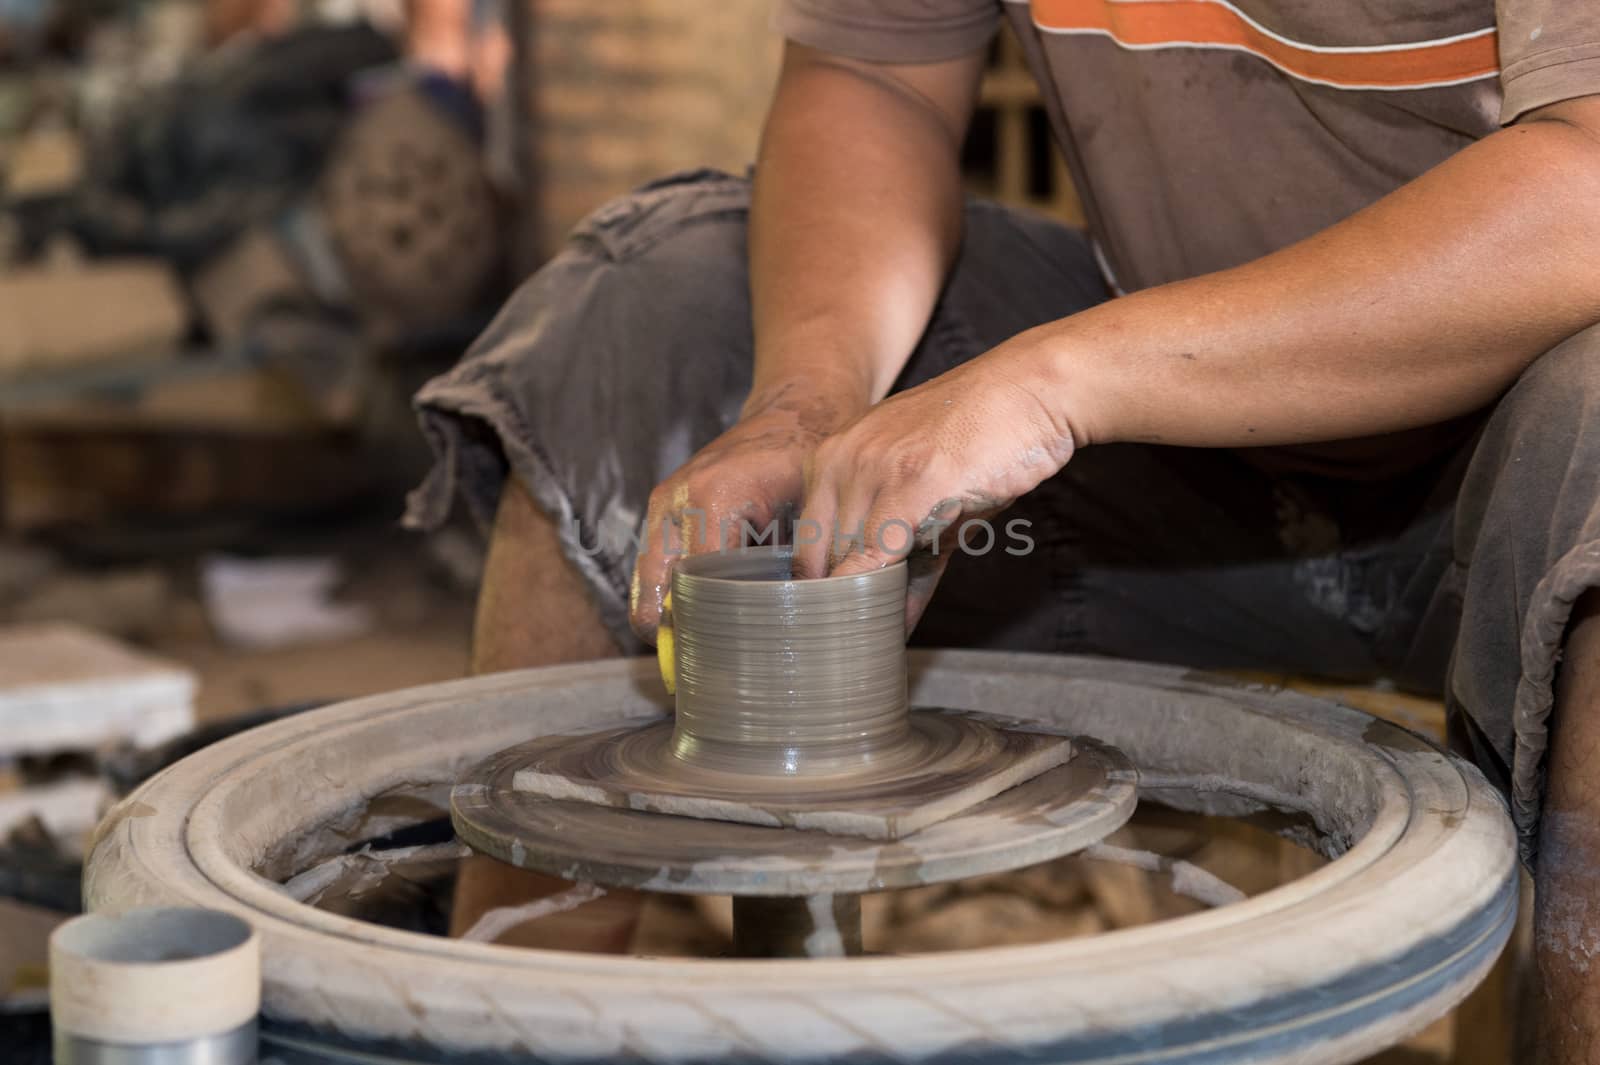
(1206, 133)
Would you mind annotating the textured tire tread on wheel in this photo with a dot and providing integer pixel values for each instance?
(1327, 969)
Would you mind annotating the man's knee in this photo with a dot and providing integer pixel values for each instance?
(645, 309)
(1538, 460)
(534, 607)
(1559, 392)
(693, 215)
(1527, 526)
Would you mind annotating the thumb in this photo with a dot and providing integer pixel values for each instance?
(881, 540)
(858, 562)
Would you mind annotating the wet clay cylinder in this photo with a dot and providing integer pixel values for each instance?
(779, 677)
(160, 986)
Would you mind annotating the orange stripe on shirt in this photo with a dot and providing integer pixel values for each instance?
(1206, 24)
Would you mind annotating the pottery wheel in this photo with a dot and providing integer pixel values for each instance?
(946, 762)
(1057, 812)
(793, 774)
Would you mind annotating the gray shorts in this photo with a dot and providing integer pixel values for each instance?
(632, 348)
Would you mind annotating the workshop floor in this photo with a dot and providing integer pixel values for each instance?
(417, 593)
(421, 633)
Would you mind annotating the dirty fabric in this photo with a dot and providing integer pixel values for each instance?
(632, 348)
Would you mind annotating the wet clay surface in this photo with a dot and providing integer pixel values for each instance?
(1058, 812)
(783, 678)
(948, 763)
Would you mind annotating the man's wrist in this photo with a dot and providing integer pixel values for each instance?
(1069, 381)
(825, 398)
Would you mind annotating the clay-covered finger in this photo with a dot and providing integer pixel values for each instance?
(652, 570)
(874, 532)
(817, 519)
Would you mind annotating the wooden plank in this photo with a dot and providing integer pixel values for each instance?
(1122, 894)
(24, 953)
(78, 471)
(65, 687)
(1010, 91)
(134, 305)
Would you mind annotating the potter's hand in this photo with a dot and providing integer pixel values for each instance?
(902, 479)
(744, 480)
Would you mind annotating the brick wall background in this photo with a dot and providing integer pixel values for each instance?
(620, 92)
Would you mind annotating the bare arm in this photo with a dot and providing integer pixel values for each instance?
(1425, 305)
(855, 223)
(857, 215)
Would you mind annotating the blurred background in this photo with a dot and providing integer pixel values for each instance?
(235, 237)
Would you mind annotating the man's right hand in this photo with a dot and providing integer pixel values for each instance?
(746, 479)
(854, 223)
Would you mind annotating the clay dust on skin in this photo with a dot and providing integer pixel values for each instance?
(1568, 923)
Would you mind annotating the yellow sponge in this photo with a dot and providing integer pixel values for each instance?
(666, 657)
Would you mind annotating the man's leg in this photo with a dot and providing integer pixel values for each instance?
(1567, 912)
(1525, 677)
(534, 610)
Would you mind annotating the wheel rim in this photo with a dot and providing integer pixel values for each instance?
(1424, 878)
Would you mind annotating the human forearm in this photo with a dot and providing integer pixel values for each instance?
(856, 219)
(1424, 306)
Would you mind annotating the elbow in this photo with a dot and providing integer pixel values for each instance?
(1577, 120)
